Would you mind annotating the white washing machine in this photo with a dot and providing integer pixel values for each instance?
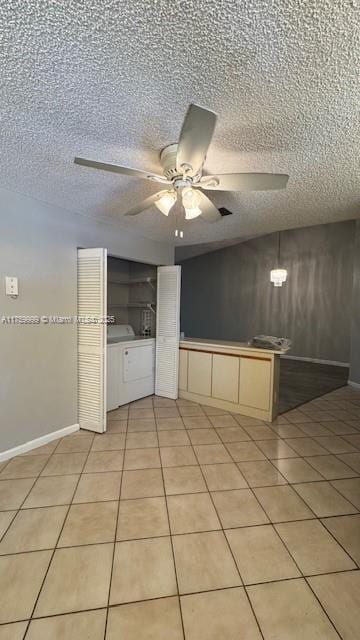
(130, 366)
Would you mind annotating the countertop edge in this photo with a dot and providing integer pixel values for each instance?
(227, 345)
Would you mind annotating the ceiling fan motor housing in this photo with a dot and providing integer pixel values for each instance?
(168, 161)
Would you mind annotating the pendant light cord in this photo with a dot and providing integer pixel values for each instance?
(278, 260)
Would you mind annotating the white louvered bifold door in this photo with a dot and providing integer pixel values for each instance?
(92, 268)
(167, 331)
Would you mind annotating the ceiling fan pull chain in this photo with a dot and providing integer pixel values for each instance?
(178, 213)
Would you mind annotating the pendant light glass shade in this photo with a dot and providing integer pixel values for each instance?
(278, 276)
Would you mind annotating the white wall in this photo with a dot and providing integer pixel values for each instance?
(38, 243)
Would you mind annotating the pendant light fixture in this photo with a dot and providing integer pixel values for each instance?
(278, 276)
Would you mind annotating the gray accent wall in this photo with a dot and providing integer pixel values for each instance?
(38, 364)
(355, 324)
(227, 294)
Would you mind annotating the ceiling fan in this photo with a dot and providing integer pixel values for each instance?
(182, 163)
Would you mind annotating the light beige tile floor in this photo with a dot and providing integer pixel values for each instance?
(181, 480)
(187, 522)
(220, 477)
(14, 631)
(339, 594)
(289, 609)
(260, 555)
(313, 548)
(204, 562)
(88, 624)
(143, 570)
(89, 523)
(192, 512)
(228, 610)
(33, 530)
(142, 459)
(142, 518)
(346, 530)
(159, 619)
(296, 470)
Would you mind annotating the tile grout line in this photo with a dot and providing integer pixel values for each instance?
(53, 553)
(275, 486)
(321, 605)
(25, 498)
(115, 536)
(242, 586)
(354, 473)
(340, 494)
(189, 533)
(171, 541)
(17, 510)
(228, 546)
(357, 564)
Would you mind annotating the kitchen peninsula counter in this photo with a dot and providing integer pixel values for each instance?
(233, 376)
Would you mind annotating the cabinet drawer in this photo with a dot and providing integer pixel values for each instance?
(255, 383)
(199, 373)
(225, 378)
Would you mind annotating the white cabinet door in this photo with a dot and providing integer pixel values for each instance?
(225, 377)
(167, 331)
(91, 301)
(183, 370)
(113, 377)
(199, 373)
(255, 383)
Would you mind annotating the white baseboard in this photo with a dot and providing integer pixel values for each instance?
(356, 385)
(336, 363)
(38, 442)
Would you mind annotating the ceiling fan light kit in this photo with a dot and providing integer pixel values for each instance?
(182, 164)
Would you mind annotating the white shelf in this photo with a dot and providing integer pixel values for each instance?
(133, 281)
(134, 305)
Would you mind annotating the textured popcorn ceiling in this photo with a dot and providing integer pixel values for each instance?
(111, 80)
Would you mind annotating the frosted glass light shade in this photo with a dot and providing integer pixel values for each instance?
(190, 214)
(190, 198)
(165, 203)
(278, 276)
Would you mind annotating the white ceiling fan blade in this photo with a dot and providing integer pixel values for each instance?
(208, 210)
(244, 182)
(195, 137)
(115, 168)
(145, 204)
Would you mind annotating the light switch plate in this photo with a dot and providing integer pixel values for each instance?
(11, 286)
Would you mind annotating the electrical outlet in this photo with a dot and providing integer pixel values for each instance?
(11, 286)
